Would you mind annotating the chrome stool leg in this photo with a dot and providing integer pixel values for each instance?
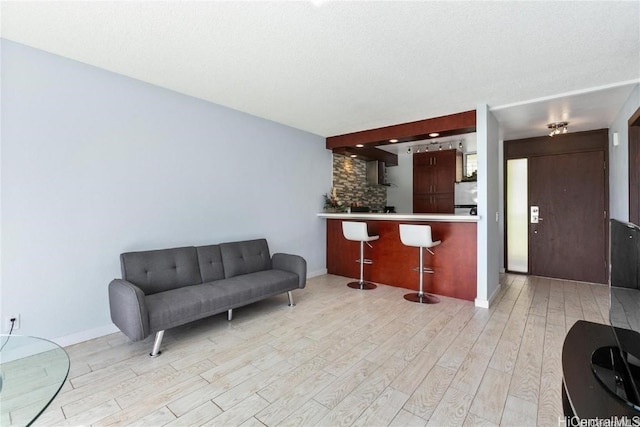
(420, 296)
(361, 284)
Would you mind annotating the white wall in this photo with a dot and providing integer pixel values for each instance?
(489, 232)
(95, 164)
(619, 159)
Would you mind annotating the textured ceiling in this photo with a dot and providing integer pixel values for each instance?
(337, 67)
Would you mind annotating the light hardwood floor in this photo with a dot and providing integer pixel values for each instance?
(341, 357)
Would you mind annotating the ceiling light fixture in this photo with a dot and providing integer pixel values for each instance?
(558, 127)
(353, 155)
(434, 134)
(393, 140)
(359, 145)
(417, 149)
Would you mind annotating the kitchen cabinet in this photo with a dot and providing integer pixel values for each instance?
(433, 203)
(434, 177)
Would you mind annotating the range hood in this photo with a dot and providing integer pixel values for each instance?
(375, 173)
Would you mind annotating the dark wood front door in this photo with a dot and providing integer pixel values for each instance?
(570, 239)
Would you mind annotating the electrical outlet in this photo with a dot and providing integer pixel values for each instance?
(7, 322)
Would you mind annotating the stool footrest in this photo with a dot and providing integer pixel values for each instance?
(424, 270)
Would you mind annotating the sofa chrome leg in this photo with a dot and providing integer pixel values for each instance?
(290, 295)
(156, 344)
(230, 314)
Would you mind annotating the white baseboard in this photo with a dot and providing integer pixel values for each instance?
(85, 335)
(487, 303)
(312, 274)
(483, 303)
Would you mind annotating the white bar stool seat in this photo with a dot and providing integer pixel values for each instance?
(357, 231)
(419, 236)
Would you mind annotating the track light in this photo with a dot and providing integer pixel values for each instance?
(558, 127)
(417, 149)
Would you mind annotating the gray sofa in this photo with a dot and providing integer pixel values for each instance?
(161, 289)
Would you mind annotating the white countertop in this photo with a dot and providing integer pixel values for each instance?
(400, 217)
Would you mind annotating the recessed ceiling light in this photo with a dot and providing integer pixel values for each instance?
(353, 155)
(434, 134)
(359, 145)
(393, 140)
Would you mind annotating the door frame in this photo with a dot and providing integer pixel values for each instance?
(634, 167)
(576, 142)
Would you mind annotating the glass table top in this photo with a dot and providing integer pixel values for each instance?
(32, 372)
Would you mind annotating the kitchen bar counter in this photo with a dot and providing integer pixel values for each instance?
(454, 261)
(399, 217)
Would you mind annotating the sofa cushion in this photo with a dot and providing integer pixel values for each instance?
(245, 257)
(210, 261)
(253, 286)
(179, 306)
(161, 270)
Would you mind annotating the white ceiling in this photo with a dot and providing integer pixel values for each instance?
(337, 67)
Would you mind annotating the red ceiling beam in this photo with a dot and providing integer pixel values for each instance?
(453, 124)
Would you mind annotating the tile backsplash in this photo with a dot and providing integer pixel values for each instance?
(350, 183)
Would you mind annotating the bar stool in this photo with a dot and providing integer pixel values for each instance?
(419, 236)
(357, 231)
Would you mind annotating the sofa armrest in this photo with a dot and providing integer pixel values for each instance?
(128, 309)
(293, 263)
